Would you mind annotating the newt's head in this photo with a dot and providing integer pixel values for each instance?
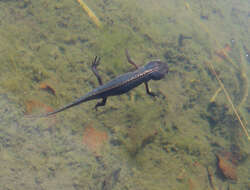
(159, 69)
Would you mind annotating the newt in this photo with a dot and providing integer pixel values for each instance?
(154, 70)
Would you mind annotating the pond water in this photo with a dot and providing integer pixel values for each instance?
(192, 135)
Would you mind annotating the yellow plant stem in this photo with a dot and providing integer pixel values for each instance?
(215, 95)
(90, 13)
(244, 80)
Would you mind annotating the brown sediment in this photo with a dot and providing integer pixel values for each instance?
(46, 87)
(94, 139)
(32, 105)
(234, 155)
(222, 54)
(36, 106)
(227, 168)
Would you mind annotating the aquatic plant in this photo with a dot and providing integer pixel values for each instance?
(244, 78)
(211, 67)
(90, 13)
(215, 95)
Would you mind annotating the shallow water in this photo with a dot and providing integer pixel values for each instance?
(136, 142)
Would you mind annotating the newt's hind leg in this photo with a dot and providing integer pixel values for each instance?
(148, 91)
(130, 60)
(95, 63)
(102, 103)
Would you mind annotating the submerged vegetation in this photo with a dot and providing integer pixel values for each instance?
(189, 134)
(90, 13)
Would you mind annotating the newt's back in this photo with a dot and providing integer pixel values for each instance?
(125, 82)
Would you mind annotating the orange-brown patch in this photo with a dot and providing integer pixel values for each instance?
(47, 88)
(227, 168)
(94, 139)
(227, 48)
(233, 156)
(191, 184)
(223, 53)
(33, 105)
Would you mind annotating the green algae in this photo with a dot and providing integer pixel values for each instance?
(152, 140)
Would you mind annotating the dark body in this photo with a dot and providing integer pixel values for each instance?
(154, 70)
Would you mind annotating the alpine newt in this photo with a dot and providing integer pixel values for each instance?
(154, 70)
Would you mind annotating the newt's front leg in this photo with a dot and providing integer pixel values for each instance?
(148, 91)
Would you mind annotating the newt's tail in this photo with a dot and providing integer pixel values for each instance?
(76, 102)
